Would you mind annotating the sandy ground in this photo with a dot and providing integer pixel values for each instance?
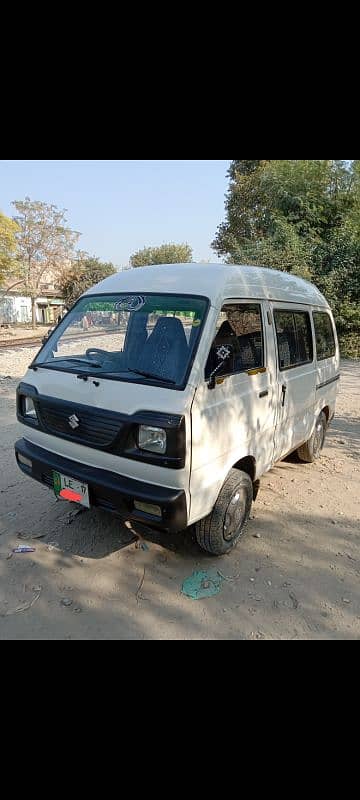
(294, 576)
(14, 332)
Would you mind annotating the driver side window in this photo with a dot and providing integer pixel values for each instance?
(238, 345)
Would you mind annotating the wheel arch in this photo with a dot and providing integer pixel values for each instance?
(326, 411)
(248, 465)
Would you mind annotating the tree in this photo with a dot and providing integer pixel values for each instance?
(8, 263)
(302, 217)
(84, 273)
(165, 254)
(244, 167)
(45, 242)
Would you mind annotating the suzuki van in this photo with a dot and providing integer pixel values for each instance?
(166, 392)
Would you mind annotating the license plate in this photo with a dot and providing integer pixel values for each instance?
(69, 489)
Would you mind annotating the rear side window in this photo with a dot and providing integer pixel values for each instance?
(238, 340)
(294, 338)
(324, 335)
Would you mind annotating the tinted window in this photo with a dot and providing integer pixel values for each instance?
(294, 338)
(239, 339)
(304, 338)
(324, 335)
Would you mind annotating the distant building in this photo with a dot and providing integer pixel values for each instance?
(15, 306)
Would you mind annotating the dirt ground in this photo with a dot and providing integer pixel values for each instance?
(294, 576)
(14, 332)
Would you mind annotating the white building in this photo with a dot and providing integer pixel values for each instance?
(15, 307)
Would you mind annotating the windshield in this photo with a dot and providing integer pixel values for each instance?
(145, 338)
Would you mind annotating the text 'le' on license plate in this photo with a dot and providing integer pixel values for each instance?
(70, 489)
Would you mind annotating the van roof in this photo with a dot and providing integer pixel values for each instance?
(216, 281)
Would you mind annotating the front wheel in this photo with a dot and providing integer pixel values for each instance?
(220, 531)
(311, 450)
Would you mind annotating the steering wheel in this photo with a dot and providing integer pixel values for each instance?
(96, 351)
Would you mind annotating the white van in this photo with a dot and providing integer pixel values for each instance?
(166, 392)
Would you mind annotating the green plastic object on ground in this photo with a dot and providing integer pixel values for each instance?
(202, 584)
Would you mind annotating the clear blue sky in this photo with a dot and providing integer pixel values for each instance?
(122, 206)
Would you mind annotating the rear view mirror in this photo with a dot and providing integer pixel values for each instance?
(221, 360)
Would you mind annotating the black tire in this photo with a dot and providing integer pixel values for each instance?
(311, 450)
(220, 531)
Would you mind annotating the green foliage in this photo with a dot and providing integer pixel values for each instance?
(8, 263)
(84, 274)
(165, 254)
(302, 217)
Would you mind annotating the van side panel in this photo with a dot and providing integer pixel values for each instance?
(327, 377)
(296, 388)
(234, 420)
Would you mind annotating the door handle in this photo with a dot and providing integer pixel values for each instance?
(264, 393)
(283, 389)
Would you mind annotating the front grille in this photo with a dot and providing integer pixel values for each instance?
(48, 479)
(100, 428)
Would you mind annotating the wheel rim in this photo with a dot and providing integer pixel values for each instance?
(318, 438)
(235, 515)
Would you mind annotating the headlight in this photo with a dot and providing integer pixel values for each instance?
(29, 408)
(153, 439)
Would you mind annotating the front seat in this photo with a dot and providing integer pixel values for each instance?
(136, 336)
(165, 353)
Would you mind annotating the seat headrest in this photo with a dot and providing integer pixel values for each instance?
(170, 325)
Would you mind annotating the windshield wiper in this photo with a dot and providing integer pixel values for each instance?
(86, 362)
(151, 375)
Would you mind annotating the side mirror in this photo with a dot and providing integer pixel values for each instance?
(221, 359)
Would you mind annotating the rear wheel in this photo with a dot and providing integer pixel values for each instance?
(220, 531)
(311, 450)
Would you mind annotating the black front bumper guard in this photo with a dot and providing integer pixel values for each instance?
(108, 490)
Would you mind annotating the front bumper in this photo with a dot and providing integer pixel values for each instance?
(107, 490)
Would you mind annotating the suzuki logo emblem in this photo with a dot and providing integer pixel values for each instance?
(74, 422)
